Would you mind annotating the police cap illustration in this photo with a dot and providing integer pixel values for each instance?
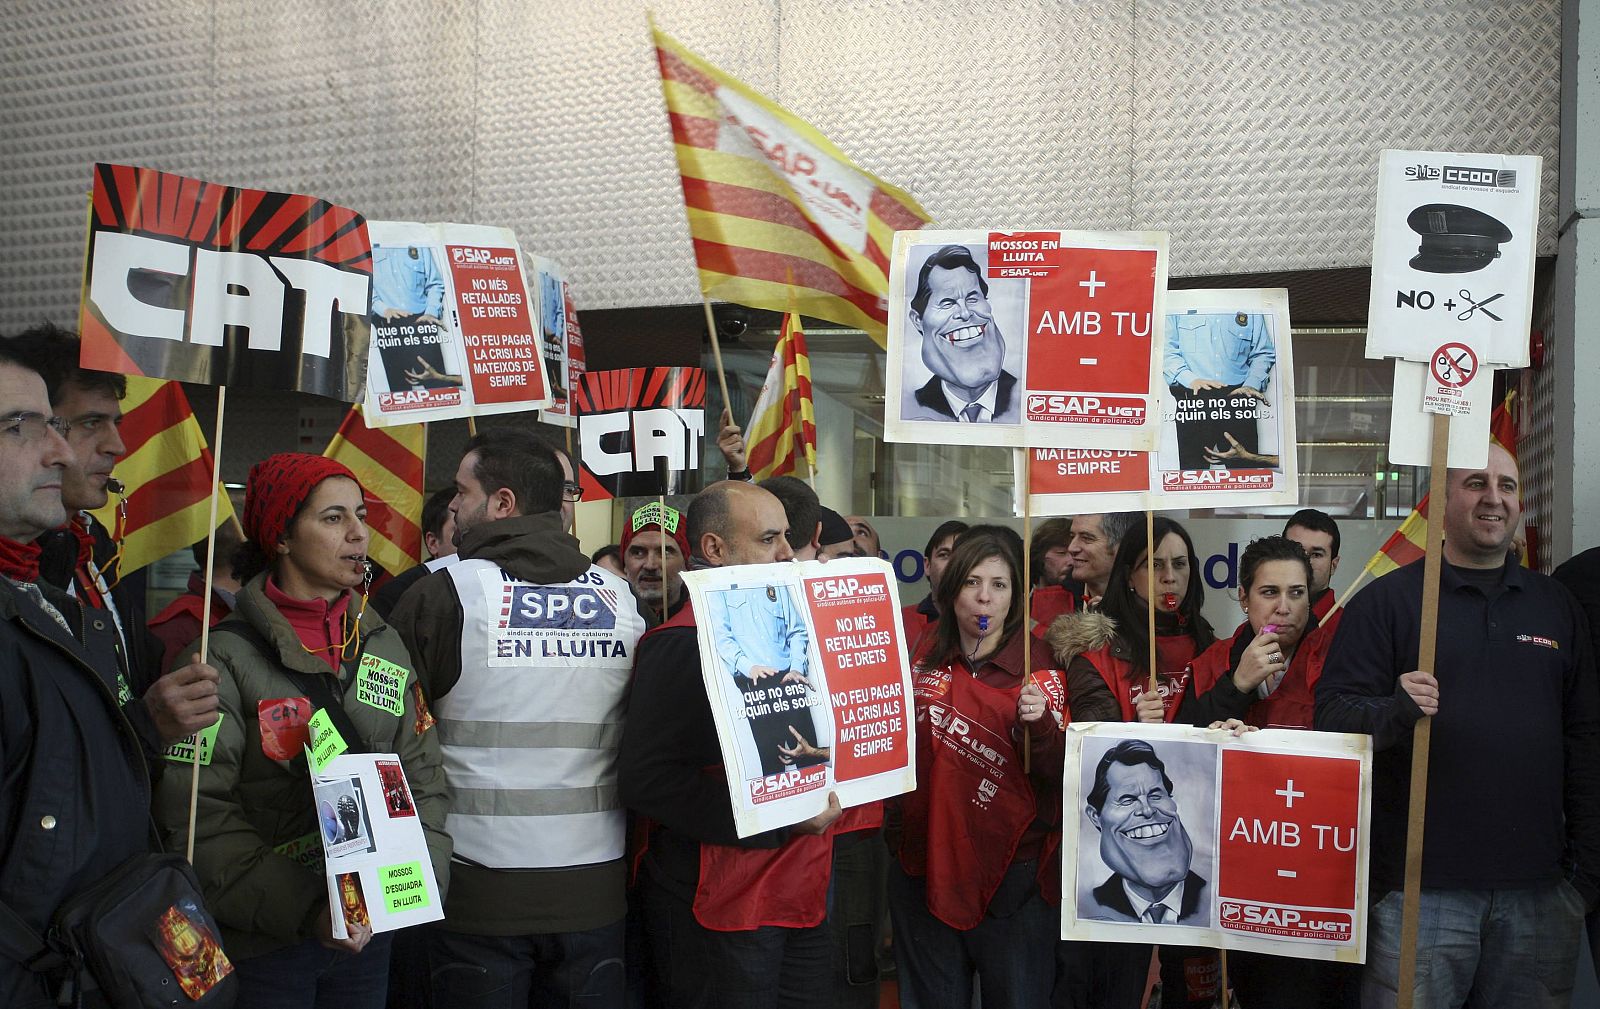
(1455, 239)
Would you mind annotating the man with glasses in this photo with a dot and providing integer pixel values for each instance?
(74, 797)
(80, 557)
(525, 648)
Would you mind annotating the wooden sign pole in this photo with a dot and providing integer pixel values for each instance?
(1027, 595)
(1423, 732)
(1150, 587)
(205, 609)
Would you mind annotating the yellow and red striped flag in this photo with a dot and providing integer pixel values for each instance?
(168, 475)
(1410, 542)
(783, 425)
(389, 463)
(769, 197)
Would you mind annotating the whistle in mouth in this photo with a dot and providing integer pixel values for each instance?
(983, 624)
(1169, 600)
(1269, 629)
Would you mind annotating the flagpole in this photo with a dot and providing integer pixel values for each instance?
(205, 610)
(716, 353)
(1338, 604)
(1422, 733)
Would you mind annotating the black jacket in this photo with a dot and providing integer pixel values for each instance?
(75, 798)
(1111, 896)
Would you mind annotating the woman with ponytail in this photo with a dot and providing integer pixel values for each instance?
(300, 641)
(974, 890)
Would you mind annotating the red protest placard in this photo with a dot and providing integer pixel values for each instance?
(502, 347)
(1090, 328)
(856, 618)
(1288, 864)
(1088, 471)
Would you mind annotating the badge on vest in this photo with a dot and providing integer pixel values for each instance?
(381, 684)
(283, 724)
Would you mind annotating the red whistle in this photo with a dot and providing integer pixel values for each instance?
(1169, 600)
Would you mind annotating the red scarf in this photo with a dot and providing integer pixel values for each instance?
(318, 623)
(88, 585)
(19, 561)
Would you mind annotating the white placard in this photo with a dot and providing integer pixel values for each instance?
(1411, 427)
(1453, 254)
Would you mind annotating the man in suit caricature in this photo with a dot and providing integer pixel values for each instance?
(1143, 840)
(961, 345)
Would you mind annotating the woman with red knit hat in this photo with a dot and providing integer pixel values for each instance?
(300, 640)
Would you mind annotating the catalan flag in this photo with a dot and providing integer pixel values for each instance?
(783, 426)
(1410, 542)
(389, 463)
(769, 198)
(167, 472)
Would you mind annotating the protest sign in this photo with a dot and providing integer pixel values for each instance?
(453, 325)
(1453, 254)
(1227, 419)
(220, 285)
(375, 854)
(640, 431)
(1411, 423)
(806, 670)
(563, 341)
(1041, 338)
(1179, 835)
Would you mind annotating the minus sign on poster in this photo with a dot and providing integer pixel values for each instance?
(1089, 361)
(1288, 873)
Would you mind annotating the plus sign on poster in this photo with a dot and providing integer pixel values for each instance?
(1287, 863)
(1026, 338)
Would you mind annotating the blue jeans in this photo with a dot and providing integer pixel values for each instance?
(1481, 949)
(565, 969)
(309, 975)
(1012, 951)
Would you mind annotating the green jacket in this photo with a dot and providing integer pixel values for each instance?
(251, 804)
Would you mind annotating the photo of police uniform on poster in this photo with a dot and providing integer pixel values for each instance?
(1227, 412)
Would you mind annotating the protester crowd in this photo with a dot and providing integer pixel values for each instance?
(574, 802)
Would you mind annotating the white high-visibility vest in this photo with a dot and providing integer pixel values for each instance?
(530, 731)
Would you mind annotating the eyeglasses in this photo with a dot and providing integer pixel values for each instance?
(571, 491)
(32, 426)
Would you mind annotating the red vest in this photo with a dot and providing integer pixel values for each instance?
(1127, 688)
(1045, 604)
(1294, 703)
(742, 889)
(915, 625)
(973, 803)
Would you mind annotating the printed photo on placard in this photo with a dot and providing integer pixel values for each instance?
(1149, 815)
(342, 814)
(806, 669)
(776, 688)
(396, 792)
(417, 355)
(1024, 338)
(354, 901)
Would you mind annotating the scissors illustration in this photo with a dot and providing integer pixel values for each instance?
(1477, 306)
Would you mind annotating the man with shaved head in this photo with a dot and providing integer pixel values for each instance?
(717, 937)
(1511, 842)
